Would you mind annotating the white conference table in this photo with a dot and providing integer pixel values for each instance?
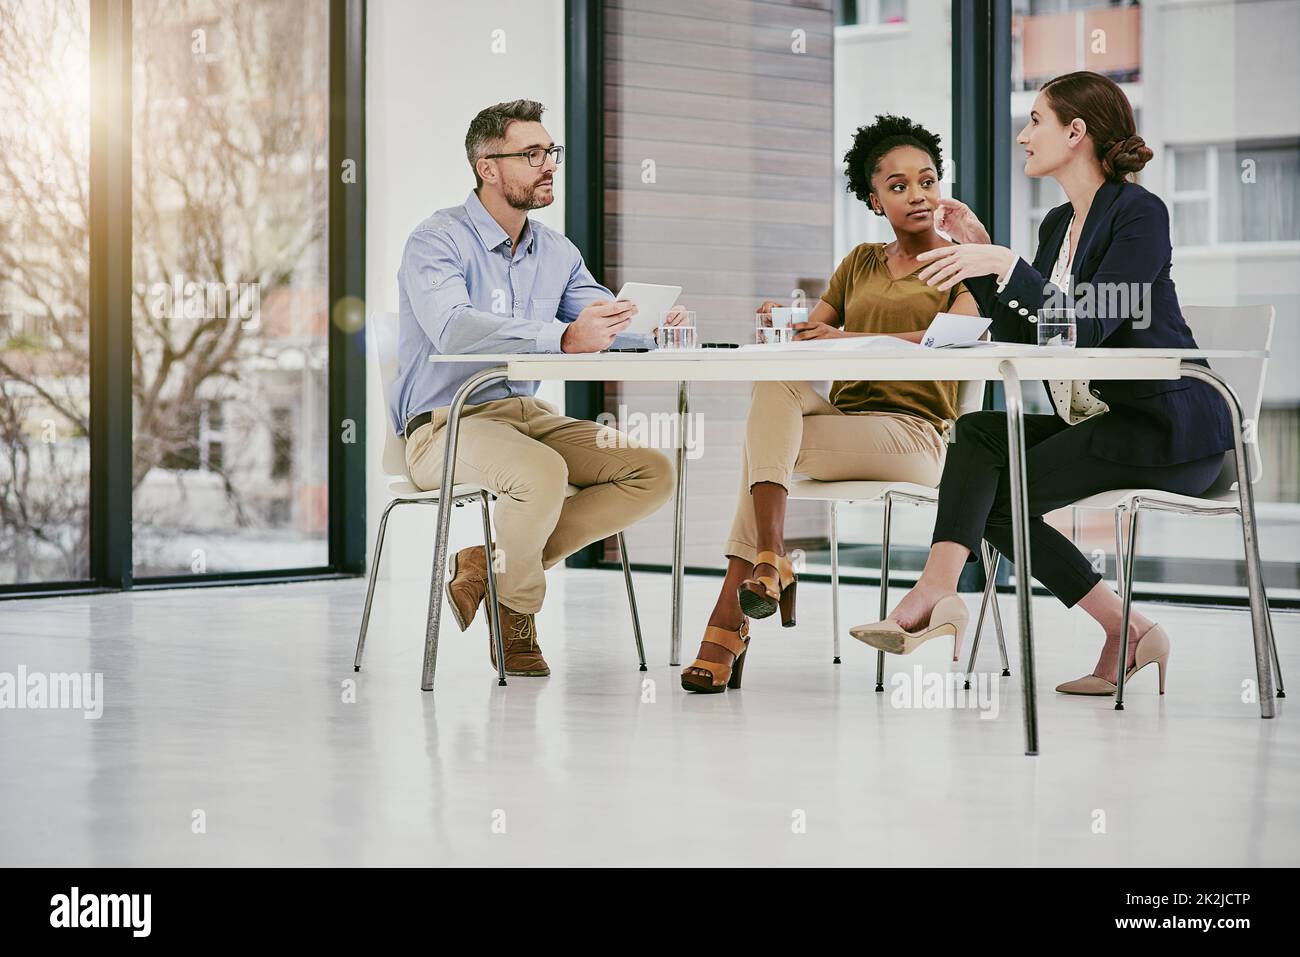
(1009, 363)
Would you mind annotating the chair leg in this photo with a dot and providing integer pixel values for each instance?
(370, 588)
(1119, 551)
(835, 583)
(884, 586)
(997, 614)
(991, 560)
(1130, 554)
(494, 620)
(631, 600)
(979, 619)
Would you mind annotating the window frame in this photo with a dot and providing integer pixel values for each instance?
(1213, 150)
(110, 281)
(1207, 194)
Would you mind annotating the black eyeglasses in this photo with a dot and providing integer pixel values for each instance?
(536, 156)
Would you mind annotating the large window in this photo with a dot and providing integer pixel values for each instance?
(180, 212)
(44, 291)
(230, 129)
(1227, 164)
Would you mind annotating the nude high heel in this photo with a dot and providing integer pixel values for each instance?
(1152, 646)
(948, 617)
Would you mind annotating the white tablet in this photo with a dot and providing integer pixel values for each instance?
(651, 302)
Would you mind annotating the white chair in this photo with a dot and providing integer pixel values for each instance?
(384, 330)
(1248, 328)
(970, 398)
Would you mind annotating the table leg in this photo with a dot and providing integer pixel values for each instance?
(1020, 539)
(835, 582)
(679, 526)
(1259, 618)
(884, 585)
(444, 520)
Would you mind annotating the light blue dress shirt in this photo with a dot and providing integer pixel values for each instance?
(464, 289)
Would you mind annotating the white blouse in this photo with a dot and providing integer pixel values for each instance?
(1071, 398)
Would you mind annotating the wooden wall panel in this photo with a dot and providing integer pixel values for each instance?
(719, 177)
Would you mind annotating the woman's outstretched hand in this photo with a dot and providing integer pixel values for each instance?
(958, 220)
(949, 265)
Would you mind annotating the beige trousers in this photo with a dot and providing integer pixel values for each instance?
(528, 455)
(791, 428)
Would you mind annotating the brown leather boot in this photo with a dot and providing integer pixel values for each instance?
(468, 583)
(519, 638)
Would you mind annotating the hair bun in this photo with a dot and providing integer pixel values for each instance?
(1126, 156)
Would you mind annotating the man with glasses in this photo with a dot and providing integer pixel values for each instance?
(483, 278)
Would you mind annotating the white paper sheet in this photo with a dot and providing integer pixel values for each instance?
(847, 344)
(946, 331)
(950, 331)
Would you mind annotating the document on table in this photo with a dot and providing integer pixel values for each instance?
(847, 344)
(946, 331)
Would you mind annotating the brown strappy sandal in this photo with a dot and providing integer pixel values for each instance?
(760, 597)
(721, 676)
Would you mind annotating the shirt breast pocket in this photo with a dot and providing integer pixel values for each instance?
(544, 310)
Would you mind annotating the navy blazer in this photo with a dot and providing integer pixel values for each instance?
(1125, 239)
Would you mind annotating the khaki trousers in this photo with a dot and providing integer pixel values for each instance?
(528, 454)
(791, 428)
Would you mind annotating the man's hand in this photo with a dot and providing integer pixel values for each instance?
(817, 330)
(597, 325)
(768, 305)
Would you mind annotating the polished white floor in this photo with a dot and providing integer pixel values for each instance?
(231, 702)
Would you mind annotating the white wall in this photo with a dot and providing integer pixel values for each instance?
(430, 67)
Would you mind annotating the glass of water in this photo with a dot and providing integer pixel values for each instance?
(1056, 327)
(777, 326)
(681, 336)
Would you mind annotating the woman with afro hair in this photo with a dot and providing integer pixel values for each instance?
(883, 431)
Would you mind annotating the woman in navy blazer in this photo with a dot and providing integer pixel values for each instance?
(1168, 435)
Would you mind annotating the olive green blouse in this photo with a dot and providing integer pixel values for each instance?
(868, 299)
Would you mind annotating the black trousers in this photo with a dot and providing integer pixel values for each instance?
(975, 491)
